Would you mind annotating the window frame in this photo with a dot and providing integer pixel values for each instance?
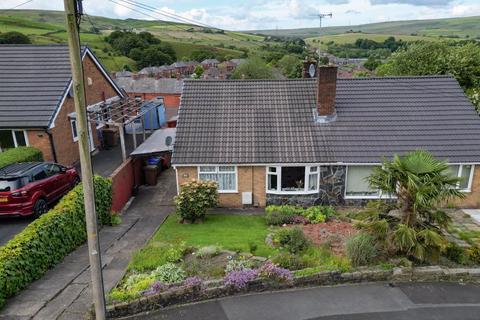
(380, 194)
(278, 173)
(459, 175)
(14, 137)
(217, 171)
(74, 136)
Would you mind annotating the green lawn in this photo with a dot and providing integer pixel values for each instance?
(232, 232)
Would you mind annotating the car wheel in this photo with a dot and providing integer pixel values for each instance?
(40, 208)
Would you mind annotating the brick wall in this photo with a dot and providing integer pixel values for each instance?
(40, 140)
(98, 89)
(250, 179)
(170, 100)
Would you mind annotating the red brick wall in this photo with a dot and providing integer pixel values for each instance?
(41, 140)
(100, 88)
(170, 100)
(125, 179)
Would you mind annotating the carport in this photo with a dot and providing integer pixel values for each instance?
(127, 112)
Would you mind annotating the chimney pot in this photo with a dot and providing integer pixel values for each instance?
(326, 93)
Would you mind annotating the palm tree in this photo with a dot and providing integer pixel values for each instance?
(420, 181)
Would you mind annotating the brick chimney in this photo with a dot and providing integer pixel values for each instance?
(326, 92)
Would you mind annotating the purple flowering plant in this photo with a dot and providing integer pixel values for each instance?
(238, 279)
(272, 271)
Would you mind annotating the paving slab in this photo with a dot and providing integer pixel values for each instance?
(474, 213)
(56, 306)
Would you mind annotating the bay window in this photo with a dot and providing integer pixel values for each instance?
(356, 185)
(225, 176)
(294, 179)
(465, 173)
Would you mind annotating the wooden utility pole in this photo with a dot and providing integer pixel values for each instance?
(72, 11)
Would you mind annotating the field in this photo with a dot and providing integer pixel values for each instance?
(352, 37)
(456, 27)
(45, 27)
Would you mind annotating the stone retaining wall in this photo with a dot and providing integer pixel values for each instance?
(216, 289)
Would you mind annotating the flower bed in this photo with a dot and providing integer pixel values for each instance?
(198, 291)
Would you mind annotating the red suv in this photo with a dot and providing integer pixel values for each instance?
(31, 187)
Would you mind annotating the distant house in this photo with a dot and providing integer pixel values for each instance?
(210, 63)
(150, 88)
(123, 73)
(36, 104)
(314, 141)
(228, 66)
(215, 73)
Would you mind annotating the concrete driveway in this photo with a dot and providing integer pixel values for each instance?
(419, 301)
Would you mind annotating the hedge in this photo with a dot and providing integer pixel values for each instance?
(48, 239)
(20, 154)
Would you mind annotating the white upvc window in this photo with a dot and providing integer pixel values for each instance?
(293, 179)
(465, 173)
(356, 184)
(225, 176)
(73, 124)
(13, 139)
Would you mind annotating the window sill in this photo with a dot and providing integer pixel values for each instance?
(227, 191)
(292, 192)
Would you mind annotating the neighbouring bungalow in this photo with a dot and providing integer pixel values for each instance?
(314, 141)
(36, 103)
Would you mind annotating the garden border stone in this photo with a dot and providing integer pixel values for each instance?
(216, 289)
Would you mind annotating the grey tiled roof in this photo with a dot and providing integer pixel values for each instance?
(33, 80)
(150, 85)
(272, 121)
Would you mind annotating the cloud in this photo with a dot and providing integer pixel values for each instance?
(338, 1)
(352, 12)
(428, 3)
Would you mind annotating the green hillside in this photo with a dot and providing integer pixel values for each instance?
(454, 27)
(45, 27)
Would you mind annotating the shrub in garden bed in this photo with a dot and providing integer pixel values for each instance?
(20, 154)
(291, 239)
(47, 240)
(287, 214)
(361, 249)
(195, 198)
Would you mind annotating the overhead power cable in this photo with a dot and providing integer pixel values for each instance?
(170, 14)
(21, 4)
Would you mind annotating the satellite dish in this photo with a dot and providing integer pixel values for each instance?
(311, 70)
(168, 141)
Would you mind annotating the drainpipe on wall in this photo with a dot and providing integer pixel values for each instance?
(52, 144)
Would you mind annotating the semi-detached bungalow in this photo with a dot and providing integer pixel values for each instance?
(36, 103)
(310, 141)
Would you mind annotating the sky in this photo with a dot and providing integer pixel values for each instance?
(272, 14)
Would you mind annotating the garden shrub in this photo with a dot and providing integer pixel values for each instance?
(474, 254)
(455, 253)
(288, 260)
(278, 215)
(361, 249)
(291, 239)
(287, 214)
(238, 265)
(195, 198)
(48, 239)
(20, 154)
(169, 273)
